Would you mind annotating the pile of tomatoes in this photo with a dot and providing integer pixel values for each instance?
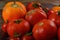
(31, 22)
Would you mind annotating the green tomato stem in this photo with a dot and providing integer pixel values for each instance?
(28, 34)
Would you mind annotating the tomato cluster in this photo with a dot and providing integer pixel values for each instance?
(32, 22)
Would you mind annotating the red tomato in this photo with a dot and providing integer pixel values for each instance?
(51, 12)
(4, 27)
(14, 39)
(44, 30)
(34, 16)
(27, 37)
(33, 5)
(55, 17)
(59, 33)
(57, 21)
(18, 27)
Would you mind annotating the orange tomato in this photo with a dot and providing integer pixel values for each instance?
(13, 11)
(56, 8)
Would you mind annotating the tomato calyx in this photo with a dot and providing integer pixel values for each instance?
(6, 21)
(41, 24)
(30, 12)
(36, 5)
(18, 21)
(45, 10)
(17, 35)
(14, 5)
(28, 34)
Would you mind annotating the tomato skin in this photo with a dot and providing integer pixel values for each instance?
(19, 28)
(14, 39)
(54, 16)
(51, 12)
(34, 16)
(57, 21)
(44, 30)
(33, 5)
(27, 38)
(4, 27)
(56, 8)
(13, 11)
(59, 33)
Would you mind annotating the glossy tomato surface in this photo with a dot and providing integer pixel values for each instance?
(13, 11)
(4, 27)
(59, 33)
(51, 12)
(55, 16)
(27, 38)
(44, 30)
(14, 39)
(18, 27)
(35, 16)
(33, 5)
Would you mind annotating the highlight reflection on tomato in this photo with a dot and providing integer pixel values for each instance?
(34, 16)
(44, 30)
(4, 27)
(18, 27)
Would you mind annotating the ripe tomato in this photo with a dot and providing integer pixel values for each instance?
(57, 21)
(34, 16)
(44, 30)
(56, 8)
(27, 38)
(33, 5)
(52, 16)
(4, 27)
(14, 39)
(51, 12)
(18, 27)
(55, 17)
(12, 11)
(59, 33)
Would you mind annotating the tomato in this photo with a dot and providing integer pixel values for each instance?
(51, 12)
(44, 30)
(14, 39)
(27, 38)
(52, 15)
(55, 17)
(59, 33)
(4, 27)
(12, 11)
(57, 21)
(56, 8)
(18, 27)
(34, 16)
(33, 5)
